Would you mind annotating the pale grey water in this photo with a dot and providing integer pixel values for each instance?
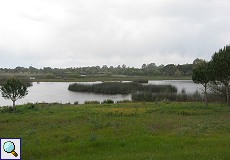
(58, 92)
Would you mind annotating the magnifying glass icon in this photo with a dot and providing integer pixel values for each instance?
(9, 147)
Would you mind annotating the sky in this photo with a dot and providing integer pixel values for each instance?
(77, 33)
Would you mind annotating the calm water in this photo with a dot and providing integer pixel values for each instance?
(58, 92)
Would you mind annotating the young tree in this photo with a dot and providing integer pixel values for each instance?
(201, 76)
(220, 64)
(13, 89)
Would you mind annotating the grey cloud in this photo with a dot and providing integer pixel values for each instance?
(84, 33)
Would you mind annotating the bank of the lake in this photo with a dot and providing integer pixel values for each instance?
(134, 131)
(112, 78)
(49, 92)
(57, 92)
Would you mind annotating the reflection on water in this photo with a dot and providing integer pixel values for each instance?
(58, 92)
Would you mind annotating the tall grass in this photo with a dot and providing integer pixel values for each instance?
(174, 97)
(153, 97)
(124, 131)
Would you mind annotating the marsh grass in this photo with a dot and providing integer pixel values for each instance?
(92, 102)
(121, 88)
(120, 131)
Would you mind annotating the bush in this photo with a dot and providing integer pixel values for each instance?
(30, 106)
(76, 103)
(7, 109)
(124, 101)
(155, 97)
(140, 81)
(92, 102)
(108, 101)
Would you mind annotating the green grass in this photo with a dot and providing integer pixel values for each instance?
(136, 131)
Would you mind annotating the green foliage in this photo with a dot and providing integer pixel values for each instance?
(217, 71)
(124, 101)
(13, 89)
(220, 64)
(92, 102)
(155, 97)
(108, 101)
(140, 81)
(76, 102)
(7, 109)
(30, 106)
(48, 73)
(121, 88)
(201, 73)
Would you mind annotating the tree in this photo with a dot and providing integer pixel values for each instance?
(169, 69)
(13, 89)
(177, 73)
(201, 76)
(143, 66)
(220, 64)
(197, 61)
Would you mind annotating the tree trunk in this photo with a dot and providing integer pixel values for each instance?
(227, 94)
(14, 105)
(205, 95)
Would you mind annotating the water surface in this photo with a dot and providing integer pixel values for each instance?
(50, 92)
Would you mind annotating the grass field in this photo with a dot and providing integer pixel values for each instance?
(135, 131)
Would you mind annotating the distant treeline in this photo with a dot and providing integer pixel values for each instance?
(121, 88)
(146, 70)
(25, 80)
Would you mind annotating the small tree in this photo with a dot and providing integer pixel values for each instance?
(201, 76)
(13, 89)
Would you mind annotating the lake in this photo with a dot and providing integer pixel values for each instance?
(49, 92)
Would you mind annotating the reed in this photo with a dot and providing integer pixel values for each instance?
(121, 88)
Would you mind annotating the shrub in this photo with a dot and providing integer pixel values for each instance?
(30, 106)
(92, 102)
(155, 97)
(140, 81)
(108, 101)
(124, 101)
(7, 109)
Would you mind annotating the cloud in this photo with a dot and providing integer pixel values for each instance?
(85, 32)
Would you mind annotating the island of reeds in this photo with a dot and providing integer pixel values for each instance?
(121, 88)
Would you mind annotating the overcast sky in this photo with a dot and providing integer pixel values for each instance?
(73, 33)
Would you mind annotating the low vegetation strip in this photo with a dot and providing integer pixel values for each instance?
(121, 88)
(123, 131)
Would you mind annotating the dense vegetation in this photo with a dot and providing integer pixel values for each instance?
(179, 97)
(47, 73)
(215, 73)
(147, 93)
(134, 131)
(121, 88)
